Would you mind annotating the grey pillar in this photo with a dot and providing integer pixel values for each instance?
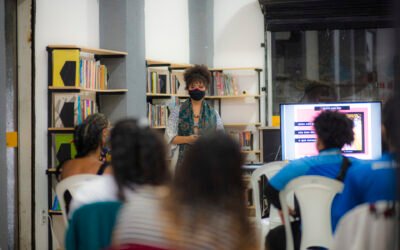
(201, 32)
(3, 159)
(122, 28)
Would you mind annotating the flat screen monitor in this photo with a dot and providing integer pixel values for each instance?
(299, 139)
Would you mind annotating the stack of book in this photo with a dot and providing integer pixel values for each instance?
(158, 82)
(244, 138)
(223, 85)
(157, 115)
(93, 75)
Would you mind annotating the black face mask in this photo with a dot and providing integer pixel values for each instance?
(197, 94)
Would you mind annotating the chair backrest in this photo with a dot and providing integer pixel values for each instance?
(269, 170)
(72, 184)
(369, 227)
(315, 195)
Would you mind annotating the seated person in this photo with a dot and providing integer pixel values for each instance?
(333, 130)
(207, 207)
(373, 180)
(89, 140)
(141, 174)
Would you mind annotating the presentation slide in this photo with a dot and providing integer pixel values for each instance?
(299, 138)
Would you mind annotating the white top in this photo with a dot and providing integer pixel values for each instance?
(100, 189)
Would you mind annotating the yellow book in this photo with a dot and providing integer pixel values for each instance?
(65, 68)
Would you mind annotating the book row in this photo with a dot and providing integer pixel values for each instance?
(157, 115)
(70, 109)
(73, 68)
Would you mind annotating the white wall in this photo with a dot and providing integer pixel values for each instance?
(57, 22)
(167, 30)
(238, 33)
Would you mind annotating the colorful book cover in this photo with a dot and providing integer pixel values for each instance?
(65, 110)
(65, 68)
(64, 148)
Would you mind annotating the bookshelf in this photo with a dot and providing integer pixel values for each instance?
(231, 88)
(80, 82)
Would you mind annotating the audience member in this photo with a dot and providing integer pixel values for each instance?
(90, 141)
(333, 130)
(134, 149)
(141, 175)
(373, 181)
(207, 205)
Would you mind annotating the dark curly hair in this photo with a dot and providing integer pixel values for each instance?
(138, 156)
(197, 73)
(334, 129)
(88, 134)
(212, 168)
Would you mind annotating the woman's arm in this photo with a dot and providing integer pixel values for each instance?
(171, 132)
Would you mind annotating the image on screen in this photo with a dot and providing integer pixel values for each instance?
(299, 138)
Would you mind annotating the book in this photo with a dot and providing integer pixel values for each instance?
(65, 68)
(65, 110)
(63, 148)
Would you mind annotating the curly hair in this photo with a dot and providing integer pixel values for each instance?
(197, 73)
(88, 134)
(209, 184)
(334, 129)
(138, 156)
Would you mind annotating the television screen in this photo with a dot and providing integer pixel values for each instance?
(299, 139)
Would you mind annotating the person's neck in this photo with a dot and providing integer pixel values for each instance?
(95, 154)
(196, 103)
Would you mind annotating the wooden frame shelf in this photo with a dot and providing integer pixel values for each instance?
(206, 97)
(96, 51)
(54, 212)
(242, 124)
(79, 89)
(158, 127)
(251, 152)
(51, 171)
(232, 69)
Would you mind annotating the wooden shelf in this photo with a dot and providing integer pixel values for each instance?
(100, 52)
(231, 69)
(54, 212)
(268, 127)
(251, 152)
(231, 96)
(171, 65)
(158, 127)
(206, 97)
(78, 89)
(61, 130)
(241, 124)
(51, 171)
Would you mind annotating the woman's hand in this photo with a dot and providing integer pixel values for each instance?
(192, 139)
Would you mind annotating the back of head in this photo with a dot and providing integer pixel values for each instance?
(138, 156)
(334, 129)
(211, 173)
(89, 134)
(391, 122)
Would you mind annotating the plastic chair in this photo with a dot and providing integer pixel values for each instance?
(369, 227)
(269, 170)
(72, 184)
(315, 195)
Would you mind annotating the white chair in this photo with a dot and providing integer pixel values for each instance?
(72, 184)
(264, 225)
(315, 195)
(369, 228)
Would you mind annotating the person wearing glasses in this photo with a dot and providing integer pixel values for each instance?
(194, 117)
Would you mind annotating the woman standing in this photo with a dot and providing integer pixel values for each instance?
(193, 117)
